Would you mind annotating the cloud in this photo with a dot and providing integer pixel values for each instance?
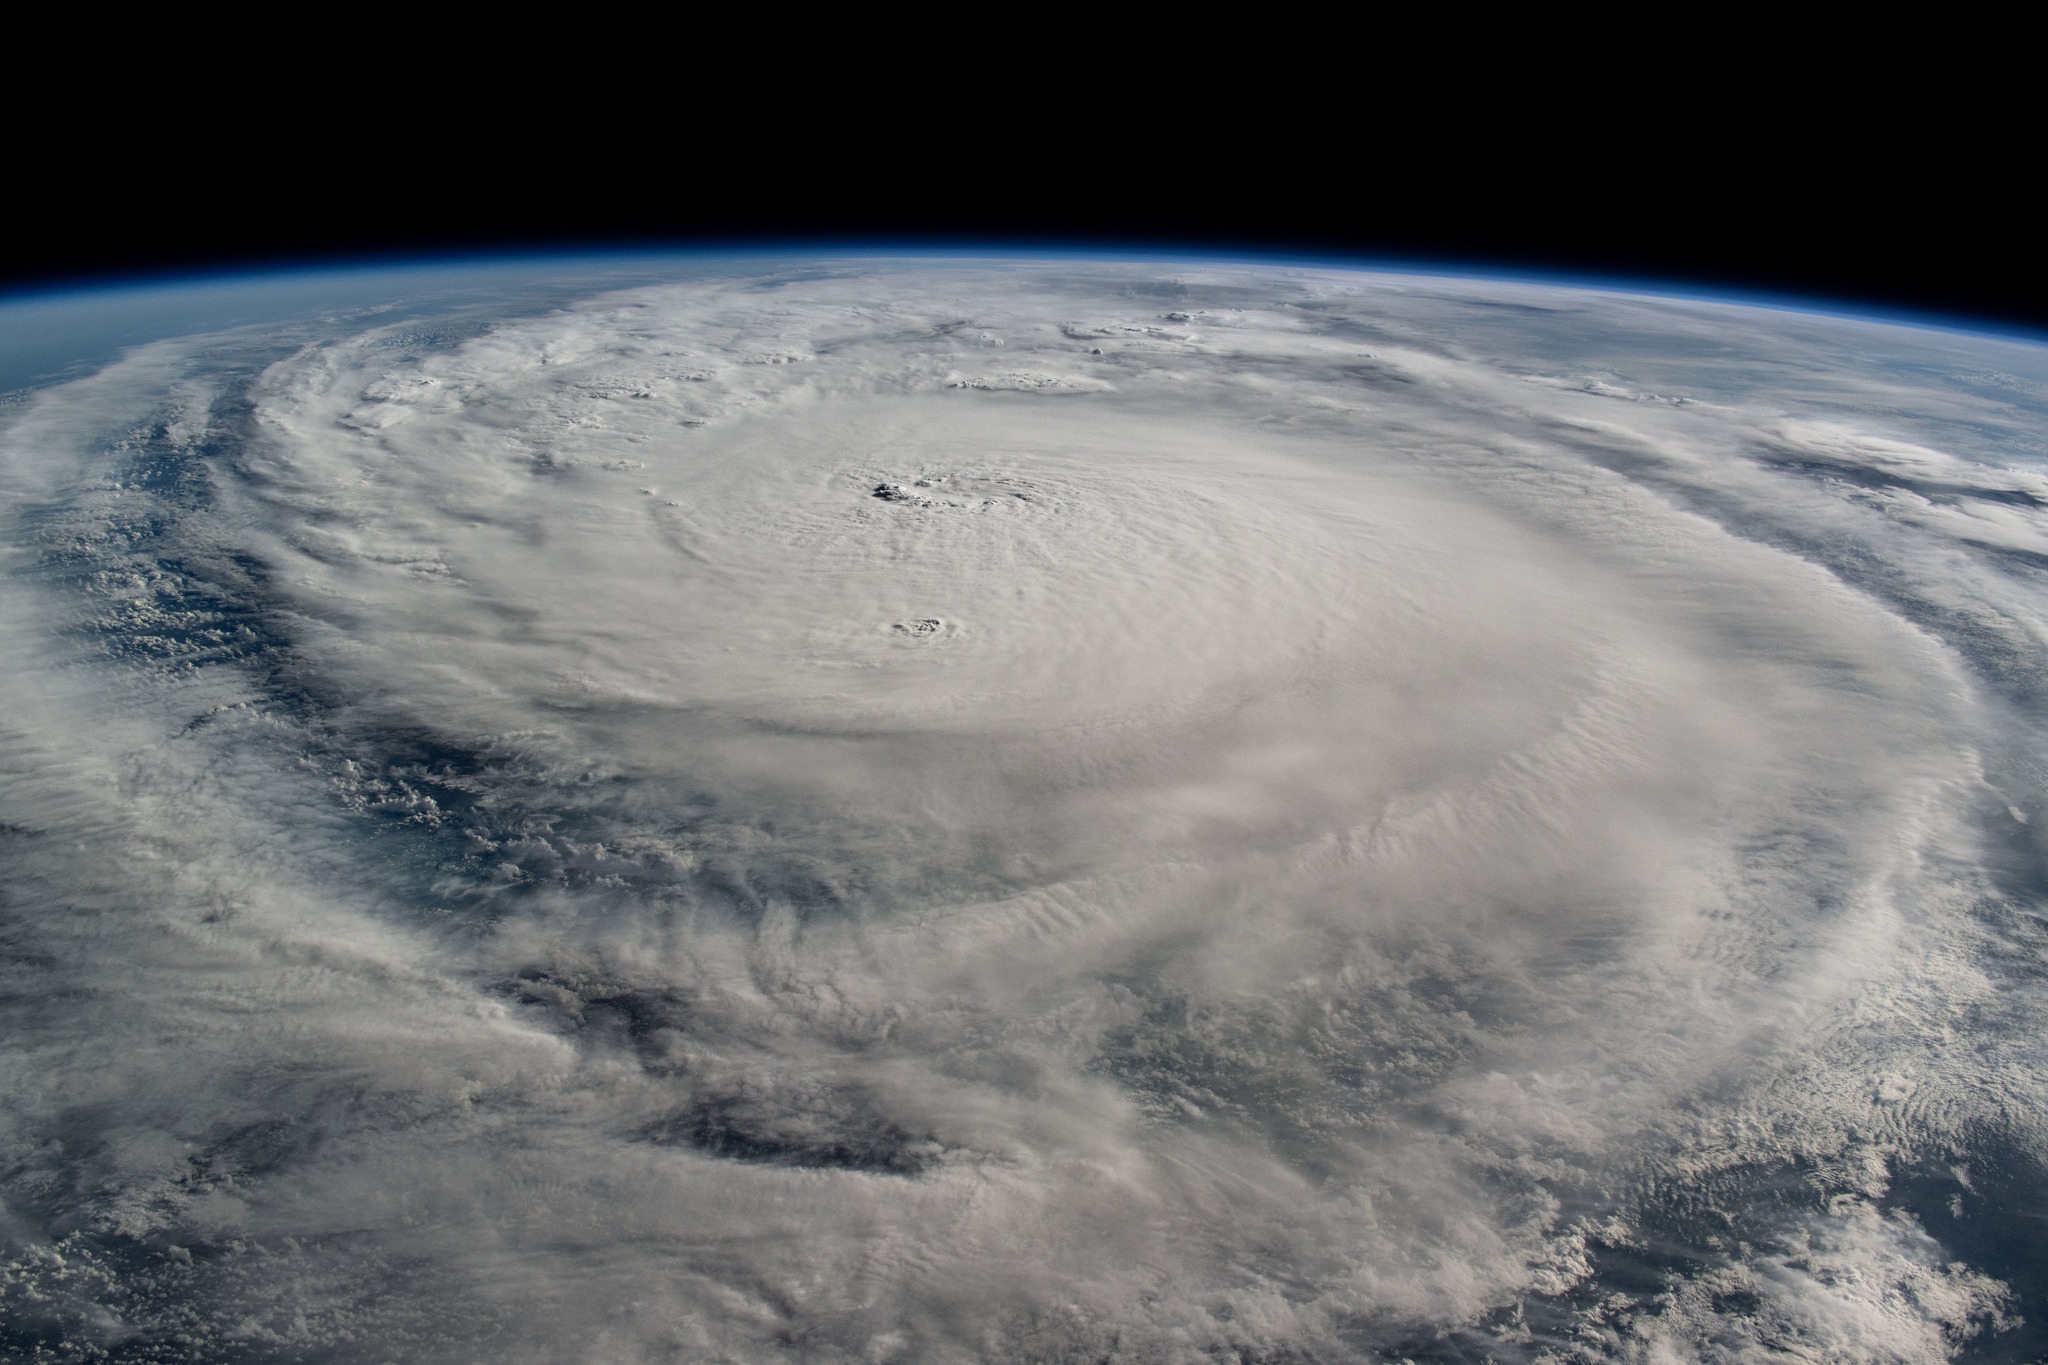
(1298, 815)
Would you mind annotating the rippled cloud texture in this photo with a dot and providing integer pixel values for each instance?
(1008, 812)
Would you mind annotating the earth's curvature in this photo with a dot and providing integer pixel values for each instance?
(883, 810)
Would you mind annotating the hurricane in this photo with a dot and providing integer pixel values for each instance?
(888, 809)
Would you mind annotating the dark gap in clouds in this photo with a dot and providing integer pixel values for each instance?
(839, 1131)
(2011, 557)
(1885, 481)
(115, 1299)
(834, 1124)
(1987, 1204)
(162, 597)
(1703, 1225)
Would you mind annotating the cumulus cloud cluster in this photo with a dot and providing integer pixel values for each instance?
(1028, 812)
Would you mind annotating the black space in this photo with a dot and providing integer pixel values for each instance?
(1883, 221)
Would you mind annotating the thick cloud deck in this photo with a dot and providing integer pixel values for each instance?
(947, 812)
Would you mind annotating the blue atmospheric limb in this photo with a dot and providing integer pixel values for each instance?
(58, 329)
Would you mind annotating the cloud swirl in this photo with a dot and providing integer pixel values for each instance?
(910, 811)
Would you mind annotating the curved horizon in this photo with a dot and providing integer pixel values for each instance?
(1676, 284)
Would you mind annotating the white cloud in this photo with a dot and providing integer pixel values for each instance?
(1272, 832)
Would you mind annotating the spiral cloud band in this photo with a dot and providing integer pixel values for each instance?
(1028, 811)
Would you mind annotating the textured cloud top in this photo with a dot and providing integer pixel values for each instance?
(1027, 812)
